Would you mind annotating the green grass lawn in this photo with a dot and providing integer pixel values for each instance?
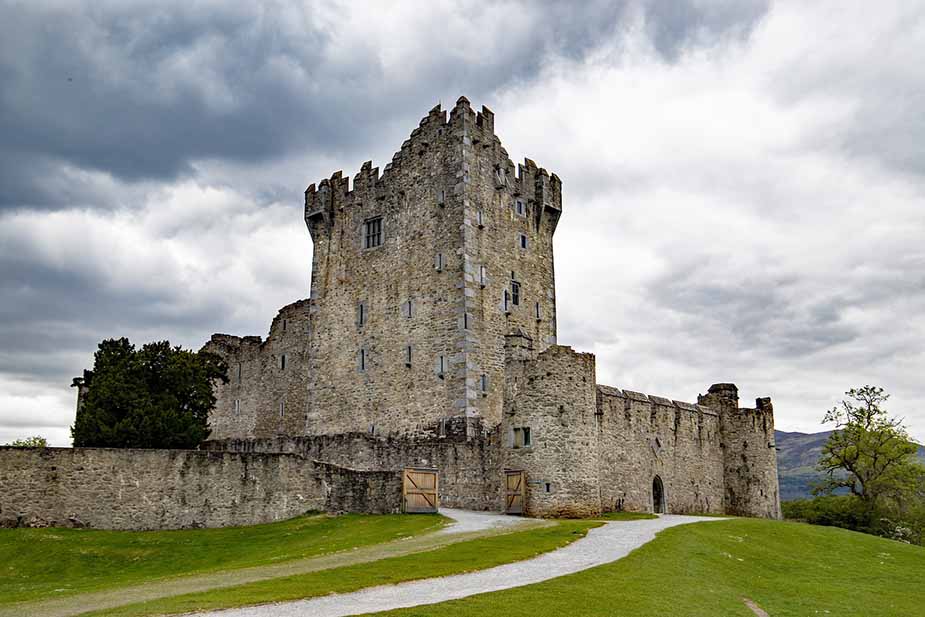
(457, 558)
(43, 563)
(707, 569)
(625, 516)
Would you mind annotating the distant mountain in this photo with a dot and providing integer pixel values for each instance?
(797, 455)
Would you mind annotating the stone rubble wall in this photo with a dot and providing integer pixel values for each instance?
(641, 437)
(469, 467)
(175, 489)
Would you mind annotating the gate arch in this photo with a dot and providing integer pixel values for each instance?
(659, 500)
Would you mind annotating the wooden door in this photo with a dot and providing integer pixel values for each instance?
(419, 490)
(515, 491)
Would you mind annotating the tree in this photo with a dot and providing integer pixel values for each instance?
(156, 397)
(869, 453)
(36, 441)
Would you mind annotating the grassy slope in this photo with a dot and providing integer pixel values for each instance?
(463, 557)
(706, 569)
(40, 563)
(626, 516)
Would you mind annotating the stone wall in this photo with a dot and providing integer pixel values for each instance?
(469, 467)
(750, 454)
(266, 392)
(556, 400)
(174, 489)
(641, 437)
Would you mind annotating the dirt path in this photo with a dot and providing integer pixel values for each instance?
(603, 545)
(467, 526)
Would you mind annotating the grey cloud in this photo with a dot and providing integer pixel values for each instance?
(141, 91)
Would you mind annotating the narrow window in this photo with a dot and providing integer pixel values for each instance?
(373, 232)
(284, 325)
(522, 437)
(237, 407)
(515, 293)
(523, 241)
(361, 314)
(282, 362)
(408, 355)
(239, 371)
(441, 197)
(480, 219)
(282, 408)
(519, 207)
(438, 262)
(539, 314)
(507, 301)
(483, 380)
(465, 321)
(362, 359)
(441, 366)
(406, 309)
(548, 488)
(483, 275)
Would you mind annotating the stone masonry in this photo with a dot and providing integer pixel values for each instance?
(428, 340)
(429, 337)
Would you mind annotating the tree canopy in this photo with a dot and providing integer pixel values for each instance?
(36, 441)
(158, 396)
(869, 452)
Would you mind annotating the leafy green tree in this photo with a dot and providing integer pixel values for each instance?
(156, 397)
(869, 453)
(36, 441)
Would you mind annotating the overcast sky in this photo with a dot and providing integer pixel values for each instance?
(743, 182)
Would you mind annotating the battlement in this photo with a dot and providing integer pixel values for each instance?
(655, 401)
(439, 132)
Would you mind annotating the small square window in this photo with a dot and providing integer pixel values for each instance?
(523, 241)
(522, 437)
(373, 232)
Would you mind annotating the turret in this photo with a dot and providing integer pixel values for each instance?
(749, 452)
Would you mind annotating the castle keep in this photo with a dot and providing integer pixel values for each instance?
(426, 349)
(429, 339)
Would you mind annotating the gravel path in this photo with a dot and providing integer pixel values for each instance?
(602, 545)
(468, 526)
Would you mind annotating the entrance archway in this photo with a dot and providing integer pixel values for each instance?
(658, 496)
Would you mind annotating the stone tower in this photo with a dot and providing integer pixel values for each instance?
(420, 272)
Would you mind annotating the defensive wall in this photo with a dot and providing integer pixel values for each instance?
(175, 489)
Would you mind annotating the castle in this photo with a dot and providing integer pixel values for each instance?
(429, 341)
(423, 370)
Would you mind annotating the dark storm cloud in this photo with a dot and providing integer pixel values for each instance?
(678, 24)
(141, 91)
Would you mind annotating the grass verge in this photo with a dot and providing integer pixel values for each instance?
(626, 516)
(709, 569)
(455, 559)
(46, 563)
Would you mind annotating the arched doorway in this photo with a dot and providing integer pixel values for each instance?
(658, 496)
